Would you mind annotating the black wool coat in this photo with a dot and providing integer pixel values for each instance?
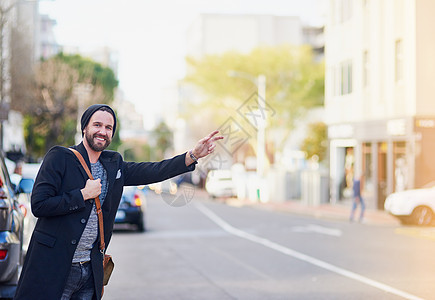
(62, 215)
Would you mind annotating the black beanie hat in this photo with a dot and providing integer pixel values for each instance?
(91, 110)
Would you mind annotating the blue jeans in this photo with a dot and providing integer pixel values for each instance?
(355, 204)
(80, 283)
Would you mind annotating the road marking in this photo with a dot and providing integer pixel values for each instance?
(318, 229)
(303, 257)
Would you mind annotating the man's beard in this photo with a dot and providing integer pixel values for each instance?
(94, 146)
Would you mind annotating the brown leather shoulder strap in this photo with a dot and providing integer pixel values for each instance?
(82, 161)
(97, 200)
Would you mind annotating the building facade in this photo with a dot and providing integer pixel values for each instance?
(48, 45)
(219, 33)
(28, 37)
(378, 98)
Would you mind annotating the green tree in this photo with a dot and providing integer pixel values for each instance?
(51, 116)
(316, 141)
(116, 140)
(294, 83)
(102, 78)
(136, 150)
(163, 140)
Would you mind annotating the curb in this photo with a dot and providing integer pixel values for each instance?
(323, 211)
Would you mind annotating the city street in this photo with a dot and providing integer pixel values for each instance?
(209, 250)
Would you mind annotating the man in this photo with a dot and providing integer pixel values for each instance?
(357, 198)
(63, 260)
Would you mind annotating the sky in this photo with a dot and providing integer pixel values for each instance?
(149, 35)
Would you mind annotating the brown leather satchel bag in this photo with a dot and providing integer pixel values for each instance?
(108, 264)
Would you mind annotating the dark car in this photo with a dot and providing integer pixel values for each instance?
(132, 207)
(11, 234)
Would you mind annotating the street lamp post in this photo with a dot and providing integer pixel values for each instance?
(260, 83)
(261, 133)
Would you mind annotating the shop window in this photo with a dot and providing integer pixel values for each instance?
(349, 163)
(382, 174)
(367, 164)
(400, 167)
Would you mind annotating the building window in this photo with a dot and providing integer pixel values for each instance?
(345, 78)
(366, 68)
(345, 7)
(332, 12)
(336, 81)
(400, 174)
(399, 60)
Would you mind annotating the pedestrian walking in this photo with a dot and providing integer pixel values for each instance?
(63, 260)
(357, 198)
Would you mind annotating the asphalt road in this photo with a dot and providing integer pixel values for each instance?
(209, 250)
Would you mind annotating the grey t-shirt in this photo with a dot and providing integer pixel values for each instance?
(90, 233)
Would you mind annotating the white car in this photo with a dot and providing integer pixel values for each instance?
(219, 183)
(413, 206)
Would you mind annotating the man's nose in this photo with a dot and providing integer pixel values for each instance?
(103, 131)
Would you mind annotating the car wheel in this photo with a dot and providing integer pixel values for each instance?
(422, 215)
(141, 226)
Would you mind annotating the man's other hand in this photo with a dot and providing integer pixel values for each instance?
(92, 189)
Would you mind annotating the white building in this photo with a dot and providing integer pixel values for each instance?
(219, 33)
(131, 122)
(379, 95)
(48, 45)
(20, 20)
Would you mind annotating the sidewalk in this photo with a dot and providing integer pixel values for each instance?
(339, 211)
(327, 211)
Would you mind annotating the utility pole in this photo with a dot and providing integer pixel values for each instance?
(260, 83)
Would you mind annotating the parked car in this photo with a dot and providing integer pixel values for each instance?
(131, 209)
(11, 234)
(415, 206)
(167, 186)
(219, 183)
(24, 189)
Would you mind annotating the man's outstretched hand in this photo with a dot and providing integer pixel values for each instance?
(204, 147)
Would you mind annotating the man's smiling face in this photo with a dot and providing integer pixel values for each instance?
(98, 132)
